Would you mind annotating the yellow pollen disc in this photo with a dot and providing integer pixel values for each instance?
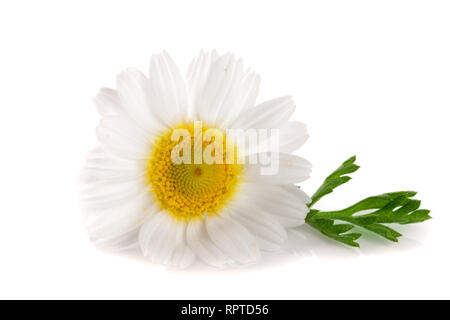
(189, 189)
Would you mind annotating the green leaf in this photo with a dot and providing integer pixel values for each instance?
(395, 207)
(370, 214)
(336, 231)
(384, 231)
(334, 180)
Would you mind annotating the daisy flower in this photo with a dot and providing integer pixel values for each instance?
(134, 194)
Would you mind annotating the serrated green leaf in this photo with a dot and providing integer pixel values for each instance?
(393, 207)
(336, 231)
(384, 231)
(334, 180)
(416, 217)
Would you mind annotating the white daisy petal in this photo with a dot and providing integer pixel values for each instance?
(297, 193)
(109, 194)
(90, 176)
(269, 233)
(285, 203)
(291, 169)
(197, 75)
(292, 136)
(200, 242)
(167, 90)
(110, 186)
(232, 239)
(126, 127)
(249, 89)
(107, 178)
(133, 92)
(216, 87)
(99, 159)
(225, 98)
(289, 138)
(240, 97)
(107, 102)
(270, 114)
(123, 242)
(121, 136)
(162, 239)
(157, 237)
(116, 221)
(220, 88)
(183, 256)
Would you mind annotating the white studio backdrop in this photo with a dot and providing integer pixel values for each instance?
(370, 78)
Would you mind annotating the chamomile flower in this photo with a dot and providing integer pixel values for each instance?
(224, 213)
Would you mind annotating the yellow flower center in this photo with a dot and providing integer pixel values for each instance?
(193, 188)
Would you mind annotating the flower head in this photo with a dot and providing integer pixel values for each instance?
(196, 168)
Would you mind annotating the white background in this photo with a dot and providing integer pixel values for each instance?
(370, 78)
